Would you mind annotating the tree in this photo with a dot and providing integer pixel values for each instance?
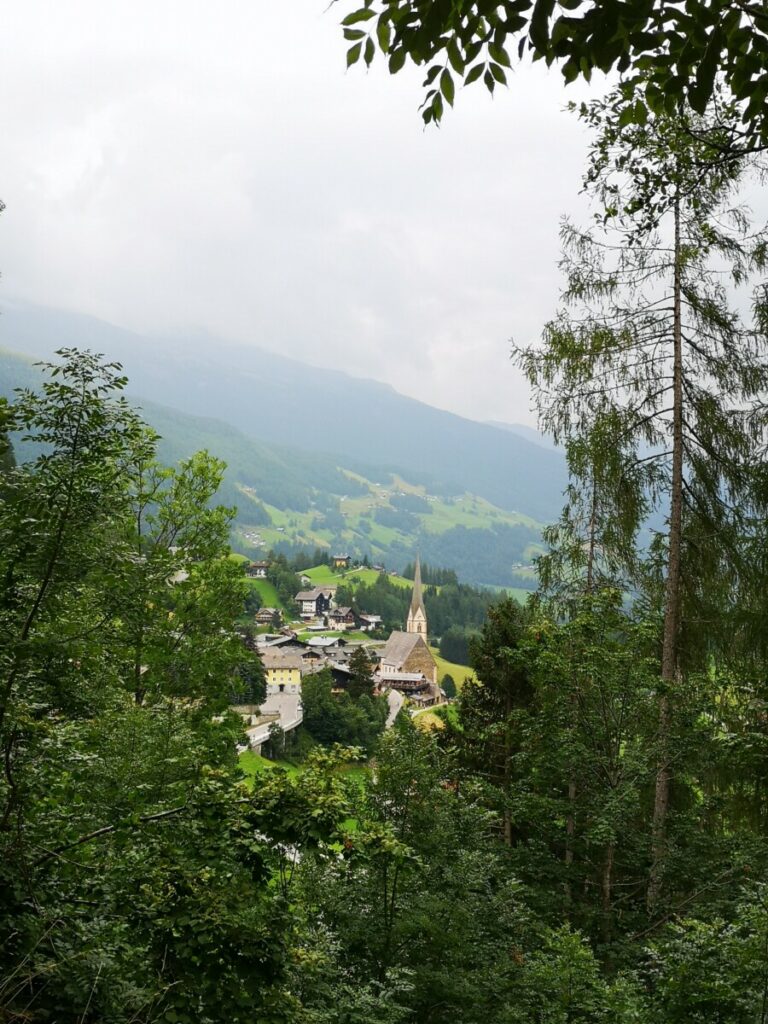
(361, 680)
(652, 384)
(448, 684)
(119, 788)
(668, 54)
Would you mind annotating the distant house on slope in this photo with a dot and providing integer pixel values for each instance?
(257, 570)
(341, 561)
(342, 618)
(266, 616)
(313, 603)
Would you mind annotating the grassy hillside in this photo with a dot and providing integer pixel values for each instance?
(287, 499)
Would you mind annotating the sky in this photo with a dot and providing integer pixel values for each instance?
(212, 170)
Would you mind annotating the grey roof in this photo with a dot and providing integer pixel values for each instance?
(399, 647)
(277, 659)
(322, 641)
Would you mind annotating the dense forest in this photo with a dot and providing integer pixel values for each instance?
(582, 838)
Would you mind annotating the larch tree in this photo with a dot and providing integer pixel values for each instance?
(650, 376)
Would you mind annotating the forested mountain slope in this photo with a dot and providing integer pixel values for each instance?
(289, 498)
(280, 400)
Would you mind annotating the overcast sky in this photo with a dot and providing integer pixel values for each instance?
(190, 166)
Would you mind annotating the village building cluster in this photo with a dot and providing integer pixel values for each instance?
(403, 662)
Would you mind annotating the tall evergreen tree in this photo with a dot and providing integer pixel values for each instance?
(650, 376)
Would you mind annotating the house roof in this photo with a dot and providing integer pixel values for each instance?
(277, 659)
(339, 612)
(399, 647)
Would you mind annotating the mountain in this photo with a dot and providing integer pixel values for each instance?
(528, 433)
(288, 498)
(277, 400)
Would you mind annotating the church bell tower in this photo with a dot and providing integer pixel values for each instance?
(417, 615)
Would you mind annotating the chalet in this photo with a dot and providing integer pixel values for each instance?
(342, 618)
(341, 561)
(266, 616)
(257, 570)
(313, 603)
(369, 622)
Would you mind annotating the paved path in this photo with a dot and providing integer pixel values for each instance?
(395, 701)
(287, 706)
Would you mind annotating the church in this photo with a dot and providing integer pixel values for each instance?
(407, 664)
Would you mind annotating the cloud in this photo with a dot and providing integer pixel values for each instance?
(191, 167)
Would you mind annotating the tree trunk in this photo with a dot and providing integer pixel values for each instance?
(669, 656)
(606, 888)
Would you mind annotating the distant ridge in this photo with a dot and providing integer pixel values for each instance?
(271, 398)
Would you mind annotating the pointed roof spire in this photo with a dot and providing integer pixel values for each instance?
(417, 600)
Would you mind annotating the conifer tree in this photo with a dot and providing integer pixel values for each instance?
(650, 377)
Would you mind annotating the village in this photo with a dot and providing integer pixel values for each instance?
(402, 667)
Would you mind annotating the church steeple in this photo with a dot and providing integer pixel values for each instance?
(417, 615)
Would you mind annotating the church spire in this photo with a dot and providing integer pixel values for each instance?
(417, 615)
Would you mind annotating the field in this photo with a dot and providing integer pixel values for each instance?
(252, 765)
(435, 718)
(354, 523)
(460, 673)
(324, 575)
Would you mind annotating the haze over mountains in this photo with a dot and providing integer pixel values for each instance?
(288, 429)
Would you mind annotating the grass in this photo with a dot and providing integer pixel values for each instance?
(435, 718)
(267, 593)
(460, 673)
(252, 765)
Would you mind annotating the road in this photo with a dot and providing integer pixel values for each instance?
(395, 701)
(288, 706)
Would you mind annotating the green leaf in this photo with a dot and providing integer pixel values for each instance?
(370, 52)
(474, 73)
(498, 73)
(447, 87)
(499, 54)
(396, 60)
(364, 14)
(454, 56)
(353, 54)
(384, 33)
(539, 30)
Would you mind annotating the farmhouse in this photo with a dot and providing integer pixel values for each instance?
(341, 561)
(313, 603)
(342, 618)
(257, 570)
(265, 616)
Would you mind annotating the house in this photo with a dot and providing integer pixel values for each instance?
(257, 570)
(283, 671)
(313, 603)
(341, 561)
(342, 618)
(266, 616)
(369, 622)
